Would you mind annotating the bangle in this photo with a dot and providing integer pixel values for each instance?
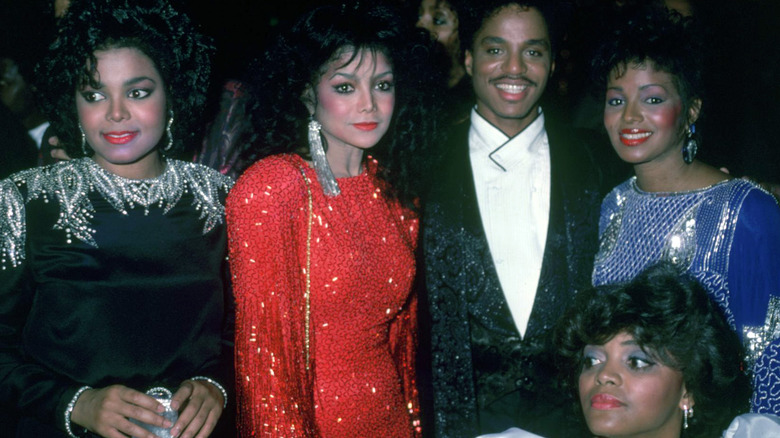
(69, 409)
(214, 382)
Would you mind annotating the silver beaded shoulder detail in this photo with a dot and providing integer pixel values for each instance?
(70, 184)
(12, 226)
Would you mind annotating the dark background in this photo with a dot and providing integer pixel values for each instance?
(742, 105)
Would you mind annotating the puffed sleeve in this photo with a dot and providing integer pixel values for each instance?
(267, 212)
(34, 389)
(754, 279)
(404, 339)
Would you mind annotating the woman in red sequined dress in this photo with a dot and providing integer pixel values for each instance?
(322, 235)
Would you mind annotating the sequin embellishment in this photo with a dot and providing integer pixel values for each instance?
(70, 184)
(756, 338)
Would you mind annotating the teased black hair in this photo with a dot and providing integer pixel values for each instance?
(296, 61)
(653, 36)
(168, 37)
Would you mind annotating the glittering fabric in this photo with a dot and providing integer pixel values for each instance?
(363, 317)
(72, 183)
(108, 281)
(727, 236)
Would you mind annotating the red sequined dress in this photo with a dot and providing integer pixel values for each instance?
(353, 375)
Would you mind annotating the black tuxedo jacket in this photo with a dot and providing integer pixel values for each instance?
(484, 376)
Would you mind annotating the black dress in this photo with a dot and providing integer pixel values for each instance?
(105, 280)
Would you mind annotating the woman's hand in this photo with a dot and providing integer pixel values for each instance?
(200, 405)
(106, 412)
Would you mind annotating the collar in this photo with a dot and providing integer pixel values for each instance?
(505, 152)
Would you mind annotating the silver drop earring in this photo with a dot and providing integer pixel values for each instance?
(321, 166)
(691, 146)
(83, 141)
(687, 413)
(169, 133)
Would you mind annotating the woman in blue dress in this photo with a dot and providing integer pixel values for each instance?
(723, 231)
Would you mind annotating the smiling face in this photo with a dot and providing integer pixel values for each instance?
(355, 101)
(625, 392)
(124, 116)
(510, 64)
(644, 115)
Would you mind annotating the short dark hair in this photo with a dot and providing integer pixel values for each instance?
(474, 15)
(653, 36)
(672, 318)
(154, 27)
(296, 61)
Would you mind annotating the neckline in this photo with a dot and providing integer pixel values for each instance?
(639, 191)
(121, 179)
(367, 162)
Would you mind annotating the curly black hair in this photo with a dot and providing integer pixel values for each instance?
(654, 36)
(298, 58)
(673, 320)
(473, 15)
(168, 37)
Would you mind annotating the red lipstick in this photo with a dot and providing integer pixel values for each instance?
(366, 126)
(634, 137)
(605, 402)
(119, 137)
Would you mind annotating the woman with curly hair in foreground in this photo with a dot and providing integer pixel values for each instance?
(112, 278)
(654, 358)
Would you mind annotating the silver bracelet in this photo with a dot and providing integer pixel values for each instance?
(69, 409)
(214, 382)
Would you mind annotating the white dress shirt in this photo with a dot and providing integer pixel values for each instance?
(512, 180)
(37, 133)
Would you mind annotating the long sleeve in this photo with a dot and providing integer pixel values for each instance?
(403, 346)
(34, 388)
(267, 212)
(92, 295)
(754, 277)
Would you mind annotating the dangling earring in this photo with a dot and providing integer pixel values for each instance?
(324, 174)
(168, 132)
(691, 145)
(83, 141)
(687, 413)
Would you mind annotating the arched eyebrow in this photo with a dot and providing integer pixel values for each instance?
(354, 77)
(127, 83)
(532, 42)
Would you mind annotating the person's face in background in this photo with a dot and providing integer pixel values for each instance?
(644, 115)
(438, 18)
(14, 91)
(510, 63)
(60, 6)
(124, 116)
(354, 100)
(626, 392)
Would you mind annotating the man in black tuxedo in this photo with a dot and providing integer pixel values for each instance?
(509, 235)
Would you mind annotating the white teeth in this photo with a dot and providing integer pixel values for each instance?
(636, 136)
(510, 88)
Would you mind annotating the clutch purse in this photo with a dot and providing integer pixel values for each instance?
(162, 395)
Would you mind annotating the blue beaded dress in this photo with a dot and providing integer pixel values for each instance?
(727, 236)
